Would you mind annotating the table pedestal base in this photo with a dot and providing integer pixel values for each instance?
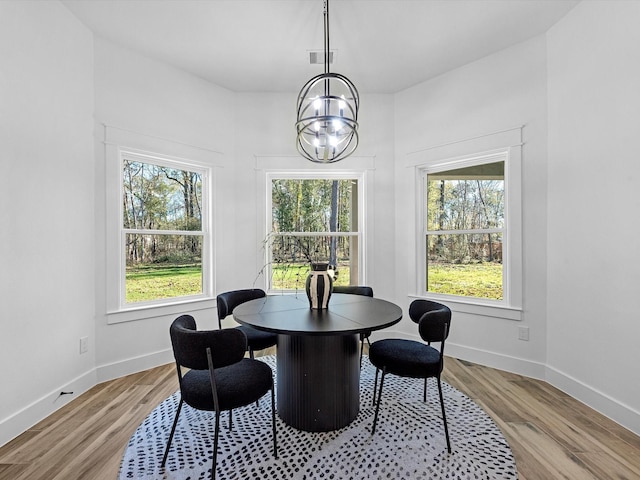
(318, 381)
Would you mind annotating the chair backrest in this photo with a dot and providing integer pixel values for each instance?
(227, 301)
(354, 290)
(433, 319)
(190, 345)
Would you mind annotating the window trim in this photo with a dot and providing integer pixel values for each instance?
(512, 236)
(317, 175)
(148, 148)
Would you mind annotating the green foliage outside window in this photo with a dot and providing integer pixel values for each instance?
(305, 214)
(162, 221)
(465, 225)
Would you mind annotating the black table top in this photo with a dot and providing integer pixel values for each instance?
(291, 315)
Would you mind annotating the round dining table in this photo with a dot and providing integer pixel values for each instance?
(318, 361)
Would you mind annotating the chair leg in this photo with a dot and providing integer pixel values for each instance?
(230, 419)
(173, 430)
(375, 417)
(273, 421)
(362, 339)
(252, 357)
(215, 447)
(424, 396)
(375, 387)
(444, 416)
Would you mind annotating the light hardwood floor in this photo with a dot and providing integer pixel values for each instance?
(552, 436)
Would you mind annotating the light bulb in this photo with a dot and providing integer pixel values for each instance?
(333, 140)
(337, 124)
(317, 103)
(316, 126)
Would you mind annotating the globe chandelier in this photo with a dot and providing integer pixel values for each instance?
(327, 121)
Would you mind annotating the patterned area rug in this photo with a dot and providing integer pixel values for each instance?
(409, 442)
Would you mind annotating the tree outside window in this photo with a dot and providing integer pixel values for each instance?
(162, 230)
(465, 230)
(313, 220)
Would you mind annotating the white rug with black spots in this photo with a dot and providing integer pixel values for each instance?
(409, 442)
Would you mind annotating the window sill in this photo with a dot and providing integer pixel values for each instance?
(477, 308)
(132, 314)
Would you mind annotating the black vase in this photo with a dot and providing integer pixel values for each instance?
(319, 286)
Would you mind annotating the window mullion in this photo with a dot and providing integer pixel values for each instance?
(463, 232)
(143, 231)
(315, 234)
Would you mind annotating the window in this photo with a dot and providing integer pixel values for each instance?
(164, 230)
(465, 228)
(313, 220)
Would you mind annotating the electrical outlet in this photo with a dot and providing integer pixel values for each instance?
(84, 344)
(523, 333)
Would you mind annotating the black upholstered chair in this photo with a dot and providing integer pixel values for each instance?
(228, 301)
(410, 358)
(357, 290)
(219, 377)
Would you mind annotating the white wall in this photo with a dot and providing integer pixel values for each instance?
(160, 105)
(47, 285)
(498, 92)
(593, 205)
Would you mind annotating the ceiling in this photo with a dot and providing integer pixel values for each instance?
(383, 46)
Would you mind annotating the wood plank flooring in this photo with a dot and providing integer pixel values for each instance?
(552, 436)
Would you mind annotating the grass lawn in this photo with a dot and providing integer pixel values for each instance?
(151, 282)
(293, 276)
(481, 280)
(154, 281)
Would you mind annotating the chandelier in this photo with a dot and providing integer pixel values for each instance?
(327, 122)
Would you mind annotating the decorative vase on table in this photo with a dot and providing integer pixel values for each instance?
(319, 286)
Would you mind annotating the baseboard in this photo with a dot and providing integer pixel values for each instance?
(40, 409)
(622, 414)
(23, 420)
(122, 368)
(599, 401)
(26, 418)
(507, 363)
